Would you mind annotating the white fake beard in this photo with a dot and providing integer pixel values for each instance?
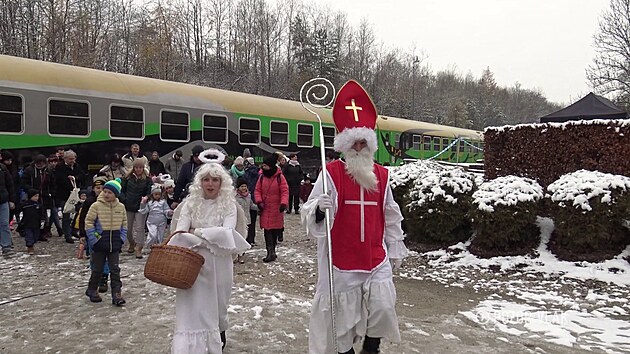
(360, 167)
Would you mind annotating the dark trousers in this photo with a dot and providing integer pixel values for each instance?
(97, 260)
(251, 228)
(66, 225)
(294, 198)
(31, 236)
(271, 240)
(53, 219)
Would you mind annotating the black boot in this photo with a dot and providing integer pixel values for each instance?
(223, 339)
(102, 284)
(93, 295)
(117, 298)
(371, 345)
(270, 246)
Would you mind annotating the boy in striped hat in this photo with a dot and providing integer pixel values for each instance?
(106, 229)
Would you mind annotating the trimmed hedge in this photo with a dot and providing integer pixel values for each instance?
(437, 212)
(545, 152)
(504, 217)
(589, 209)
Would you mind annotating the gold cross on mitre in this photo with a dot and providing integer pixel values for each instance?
(355, 108)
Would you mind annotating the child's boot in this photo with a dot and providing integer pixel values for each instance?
(102, 284)
(93, 295)
(117, 299)
(138, 251)
(30, 250)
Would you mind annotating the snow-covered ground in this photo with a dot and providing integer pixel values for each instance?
(448, 302)
(576, 304)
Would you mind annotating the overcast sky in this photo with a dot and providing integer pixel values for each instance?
(542, 44)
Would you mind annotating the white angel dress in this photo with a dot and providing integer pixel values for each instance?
(201, 311)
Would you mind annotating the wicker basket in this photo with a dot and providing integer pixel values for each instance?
(173, 266)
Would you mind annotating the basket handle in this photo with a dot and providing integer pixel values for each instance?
(171, 236)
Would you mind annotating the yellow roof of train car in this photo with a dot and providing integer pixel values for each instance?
(93, 81)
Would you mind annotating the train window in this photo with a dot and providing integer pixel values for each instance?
(416, 142)
(397, 140)
(68, 117)
(174, 126)
(329, 136)
(426, 140)
(279, 133)
(445, 143)
(215, 129)
(11, 114)
(462, 146)
(248, 131)
(436, 144)
(126, 122)
(305, 135)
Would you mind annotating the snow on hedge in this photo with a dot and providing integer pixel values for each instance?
(507, 190)
(617, 122)
(400, 175)
(435, 183)
(579, 187)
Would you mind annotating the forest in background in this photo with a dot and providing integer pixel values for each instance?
(258, 47)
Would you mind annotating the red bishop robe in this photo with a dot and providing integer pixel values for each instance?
(357, 234)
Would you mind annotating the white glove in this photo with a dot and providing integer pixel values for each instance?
(324, 202)
(396, 264)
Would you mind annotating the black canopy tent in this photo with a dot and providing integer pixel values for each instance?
(589, 107)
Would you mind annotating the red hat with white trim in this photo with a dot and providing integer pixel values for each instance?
(355, 116)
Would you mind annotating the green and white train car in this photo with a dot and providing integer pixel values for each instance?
(98, 113)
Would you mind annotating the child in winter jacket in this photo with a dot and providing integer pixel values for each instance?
(245, 201)
(106, 229)
(158, 213)
(305, 189)
(31, 221)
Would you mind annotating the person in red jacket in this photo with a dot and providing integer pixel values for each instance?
(272, 197)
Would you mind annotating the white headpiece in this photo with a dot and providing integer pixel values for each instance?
(212, 156)
(165, 177)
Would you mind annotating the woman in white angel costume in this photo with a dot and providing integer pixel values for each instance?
(215, 224)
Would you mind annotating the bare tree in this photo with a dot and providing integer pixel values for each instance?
(610, 71)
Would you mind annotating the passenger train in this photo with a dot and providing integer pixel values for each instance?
(98, 113)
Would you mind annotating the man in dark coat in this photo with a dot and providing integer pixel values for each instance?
(66, 173)
(251, 177)
(6, 203)
(156, 167)
(292, 171)
(187, 173)
(38, 176)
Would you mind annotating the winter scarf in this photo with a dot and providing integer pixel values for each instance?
(236, 172)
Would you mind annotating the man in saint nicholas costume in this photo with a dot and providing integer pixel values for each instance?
(367, 239)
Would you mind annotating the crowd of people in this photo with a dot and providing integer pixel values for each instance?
(214, 205)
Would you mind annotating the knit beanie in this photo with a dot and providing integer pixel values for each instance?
(271, 160)
(169, 183)
(114, 186)
(240, 181)
(99, 181)
(156, 187)
(31, 192)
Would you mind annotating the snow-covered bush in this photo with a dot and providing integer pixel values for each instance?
(403, 177)
(437, 202)
(504, 217)
(589, 208)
